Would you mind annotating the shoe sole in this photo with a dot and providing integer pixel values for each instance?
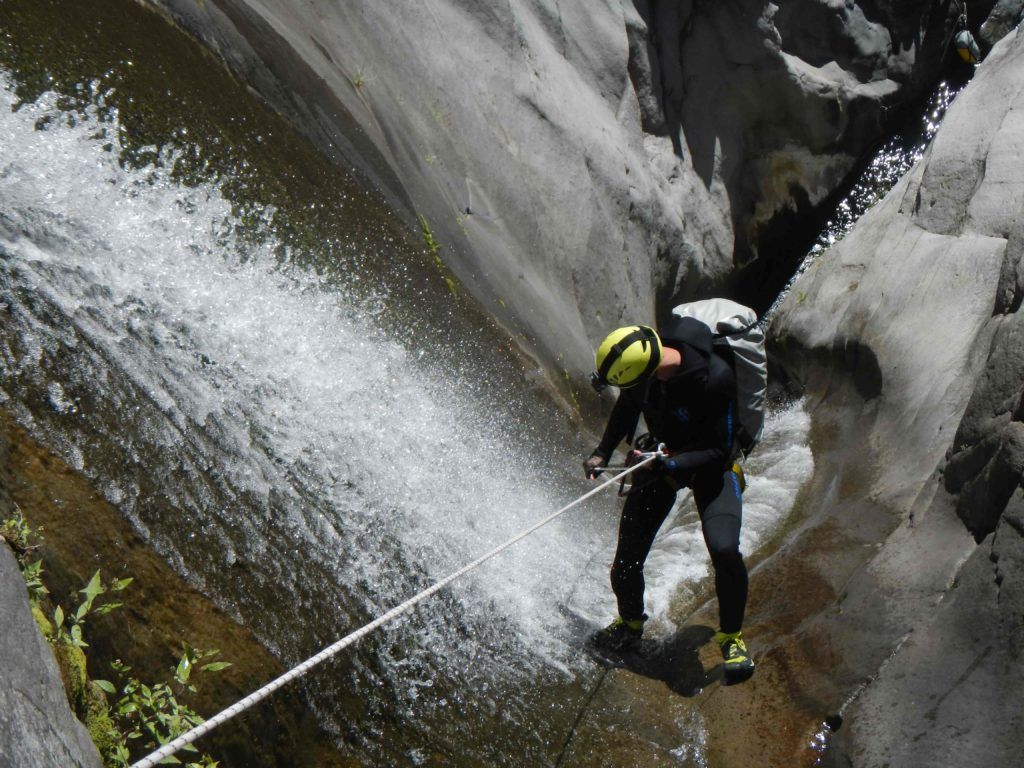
(734, 675)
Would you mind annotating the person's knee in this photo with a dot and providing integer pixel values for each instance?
(724, 551)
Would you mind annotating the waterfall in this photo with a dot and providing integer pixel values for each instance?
(297, 461)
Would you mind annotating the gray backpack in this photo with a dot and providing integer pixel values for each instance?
(739, 340)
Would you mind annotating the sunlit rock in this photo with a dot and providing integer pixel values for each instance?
(910, 335)
(583, 164)
(1004, 17)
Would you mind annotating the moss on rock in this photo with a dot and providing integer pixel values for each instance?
(97, 720)
(72, 664)
(45, 625)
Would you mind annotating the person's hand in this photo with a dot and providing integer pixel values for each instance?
(592, 465)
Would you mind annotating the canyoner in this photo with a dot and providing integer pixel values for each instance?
(699, 382)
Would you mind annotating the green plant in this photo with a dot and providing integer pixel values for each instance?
(434, 249)
(68, 628)
(148, 717)
(24, 541)
(33, 575)
(569, 389)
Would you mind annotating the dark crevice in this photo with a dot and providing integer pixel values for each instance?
(767, 253)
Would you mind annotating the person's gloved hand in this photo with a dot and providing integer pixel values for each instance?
(592, 464)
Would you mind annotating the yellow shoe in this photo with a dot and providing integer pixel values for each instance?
(621, 635)
(738, 665)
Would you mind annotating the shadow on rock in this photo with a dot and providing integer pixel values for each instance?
(675, 660)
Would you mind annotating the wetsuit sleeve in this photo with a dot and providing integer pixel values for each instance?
(622, 422)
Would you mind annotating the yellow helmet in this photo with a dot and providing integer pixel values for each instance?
(628, 356)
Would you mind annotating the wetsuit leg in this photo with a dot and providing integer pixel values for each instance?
(643, 513)
(719, 501)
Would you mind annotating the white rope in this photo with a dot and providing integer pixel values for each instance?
(205, 727)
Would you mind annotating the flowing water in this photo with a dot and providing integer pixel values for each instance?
(894, 158)
(307, 461)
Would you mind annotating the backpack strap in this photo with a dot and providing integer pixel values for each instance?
(739, 331)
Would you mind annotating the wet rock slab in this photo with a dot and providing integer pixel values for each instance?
(587, 163)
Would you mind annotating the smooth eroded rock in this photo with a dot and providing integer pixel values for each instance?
(929, 281)
(585, 164)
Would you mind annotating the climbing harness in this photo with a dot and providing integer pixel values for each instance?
(253, 698)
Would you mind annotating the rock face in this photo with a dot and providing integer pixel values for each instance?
(909, 336)
(1004, 17)
(587, 163)
(37, 729)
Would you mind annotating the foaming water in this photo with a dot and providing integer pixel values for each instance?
(292, 459)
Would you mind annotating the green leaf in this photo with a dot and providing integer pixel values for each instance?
(76, 636)
(106, 686)
(216, 666)
(107, 608)
(58, 617)
(120, 584)
(184, 669)
(93, 589)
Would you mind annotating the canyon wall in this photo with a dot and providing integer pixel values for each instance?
(909, 337)
(589, 164)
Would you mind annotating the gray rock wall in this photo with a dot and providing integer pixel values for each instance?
(37, 729)
(589, 163)
(1005, 15)
(908, 333)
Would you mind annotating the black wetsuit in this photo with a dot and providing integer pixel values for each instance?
(693, 414)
